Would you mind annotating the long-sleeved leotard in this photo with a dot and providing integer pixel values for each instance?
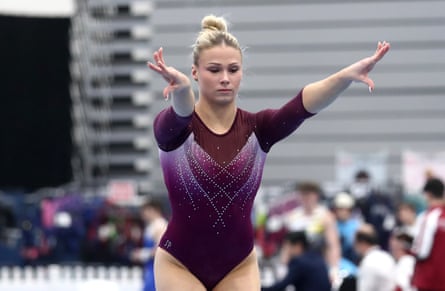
(212, 180)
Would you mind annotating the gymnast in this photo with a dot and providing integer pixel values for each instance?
(212, 155)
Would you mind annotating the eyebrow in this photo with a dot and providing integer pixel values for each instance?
(219, 64)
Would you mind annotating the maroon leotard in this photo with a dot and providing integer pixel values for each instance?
(212, 180)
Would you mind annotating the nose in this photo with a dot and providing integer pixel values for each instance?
(225, 78)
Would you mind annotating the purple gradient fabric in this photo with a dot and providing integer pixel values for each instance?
(212, 180)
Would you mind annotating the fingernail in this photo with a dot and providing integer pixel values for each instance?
(370, 89)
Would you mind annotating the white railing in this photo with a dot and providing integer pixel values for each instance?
(70, 278)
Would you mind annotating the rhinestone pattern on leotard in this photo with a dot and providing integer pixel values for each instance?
(206, 186)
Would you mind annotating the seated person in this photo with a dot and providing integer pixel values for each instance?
(307, 270)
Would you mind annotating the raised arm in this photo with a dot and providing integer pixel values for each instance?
(319, 95)
(179, 87)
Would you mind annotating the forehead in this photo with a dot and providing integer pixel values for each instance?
(221, 54)
(405, 206)
(307, 192)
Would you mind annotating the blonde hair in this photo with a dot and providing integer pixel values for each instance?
(213, 33)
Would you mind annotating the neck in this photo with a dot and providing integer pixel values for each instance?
(309, 208)
(217, 117)
(398, 254)
(369, 248)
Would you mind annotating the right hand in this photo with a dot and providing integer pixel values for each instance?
(175, 79)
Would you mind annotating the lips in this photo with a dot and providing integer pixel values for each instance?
(224, 90)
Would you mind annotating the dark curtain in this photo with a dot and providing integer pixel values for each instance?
(35, 104)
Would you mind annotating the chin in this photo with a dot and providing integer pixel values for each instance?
(224, 100)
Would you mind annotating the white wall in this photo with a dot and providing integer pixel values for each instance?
(46, 8)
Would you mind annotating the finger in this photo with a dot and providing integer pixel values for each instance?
(156, 57)
(379, 55)
(164, 70)
(161, 68)
(161, 55)
(166, 92)
(167, 77)
(169, 89)
(383, 49)
(160, 71)
(370, 83)
(154, 67)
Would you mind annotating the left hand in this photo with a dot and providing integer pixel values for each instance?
(359, 71)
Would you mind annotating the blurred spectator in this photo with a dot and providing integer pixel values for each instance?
(376, 207)
(400, 245)
(112, 235)
(361, 187)
(307, 269)
(7, 219)
(348, 284)
(347, 223)
(318, 222)
(377, 267)
(407, 214)
(429, 243)
(152, 215)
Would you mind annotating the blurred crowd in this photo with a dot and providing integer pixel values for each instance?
(67, 228)
(359, 238)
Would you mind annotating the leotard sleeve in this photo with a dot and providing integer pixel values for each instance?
(274, 125)
(170, 129)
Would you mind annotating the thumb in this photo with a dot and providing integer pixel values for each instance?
(166, 92)
(169, 89)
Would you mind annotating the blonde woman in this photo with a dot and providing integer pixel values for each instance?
(212, 155)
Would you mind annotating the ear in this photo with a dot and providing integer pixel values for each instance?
(194, 73)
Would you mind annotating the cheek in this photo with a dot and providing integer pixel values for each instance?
(205, 82)
(237, 79)
(402, 215)
(393, 245)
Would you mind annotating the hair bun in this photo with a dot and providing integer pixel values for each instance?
(213, 22)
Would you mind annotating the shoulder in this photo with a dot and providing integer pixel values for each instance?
(379, 260)
(407, 260)
(297, 261)
(246, 115)
(326, 214)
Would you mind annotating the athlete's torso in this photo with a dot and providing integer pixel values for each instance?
(212, 181)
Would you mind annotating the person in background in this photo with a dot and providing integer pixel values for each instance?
(376, 207)
(377, 267)
(152, 215)
(361, 187)
(400, 245)
(318, 222)
(429, 242)
(407, 215)
(347, 223)
(307, 270)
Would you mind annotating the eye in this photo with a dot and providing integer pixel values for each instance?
(234, 69)
(213, 69)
